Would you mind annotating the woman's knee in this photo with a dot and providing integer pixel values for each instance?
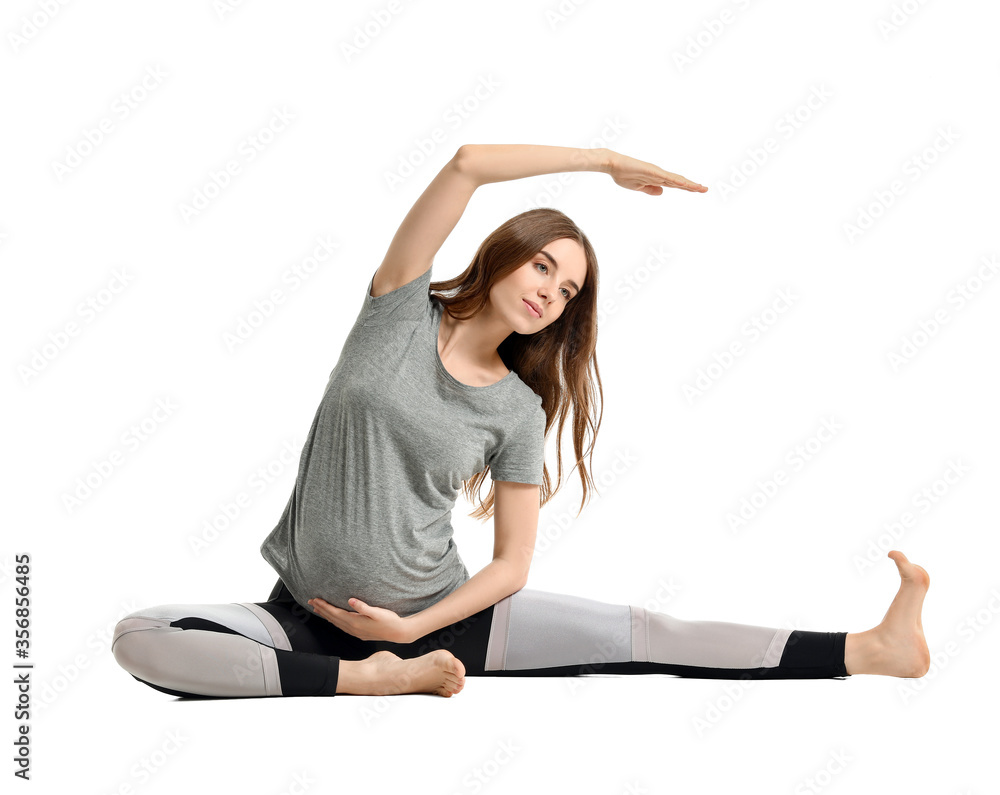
(135, 640)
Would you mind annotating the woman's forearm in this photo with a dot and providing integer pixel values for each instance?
(499, 578)
(485, 163)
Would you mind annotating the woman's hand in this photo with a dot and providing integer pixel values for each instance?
(640, 175)
(368, 623)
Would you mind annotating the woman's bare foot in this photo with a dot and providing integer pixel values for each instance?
(896, 647)
(384, 674)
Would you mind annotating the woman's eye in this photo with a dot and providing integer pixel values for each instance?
(546, 265)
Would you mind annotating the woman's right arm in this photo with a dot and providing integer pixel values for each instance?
(485, 163)
(435, 214)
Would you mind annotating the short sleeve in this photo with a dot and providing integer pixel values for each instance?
(404, 303)
(520, 456)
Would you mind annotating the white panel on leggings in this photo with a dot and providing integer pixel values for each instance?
(548, 629)
(233, 615)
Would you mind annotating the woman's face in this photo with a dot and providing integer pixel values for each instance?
(549, 280)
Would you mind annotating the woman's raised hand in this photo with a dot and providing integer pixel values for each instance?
(640, 175)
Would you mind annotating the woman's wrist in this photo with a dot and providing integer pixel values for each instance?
(414, 628)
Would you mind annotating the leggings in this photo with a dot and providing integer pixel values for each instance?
(279, 648)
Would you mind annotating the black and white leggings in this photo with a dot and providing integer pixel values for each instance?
(279, 648)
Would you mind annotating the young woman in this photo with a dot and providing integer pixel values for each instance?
(436, 384)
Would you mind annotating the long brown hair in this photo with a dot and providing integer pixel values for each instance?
(556, 361)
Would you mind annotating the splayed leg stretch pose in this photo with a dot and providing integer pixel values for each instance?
(436, 385)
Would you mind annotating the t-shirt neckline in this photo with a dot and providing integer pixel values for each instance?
(444, 370)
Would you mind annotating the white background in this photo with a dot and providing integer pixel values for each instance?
(853, 98)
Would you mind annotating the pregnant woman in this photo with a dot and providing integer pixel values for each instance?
(438, 383)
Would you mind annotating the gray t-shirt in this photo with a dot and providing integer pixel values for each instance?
(393, 438)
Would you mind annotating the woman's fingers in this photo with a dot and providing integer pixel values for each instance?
(677, 181)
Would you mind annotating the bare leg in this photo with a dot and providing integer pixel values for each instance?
(896, 647)
(384, 673)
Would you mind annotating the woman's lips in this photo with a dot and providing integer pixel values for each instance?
(530, 308)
